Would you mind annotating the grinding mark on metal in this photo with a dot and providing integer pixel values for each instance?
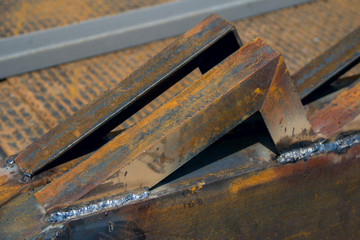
(96, 207)
(322, 146)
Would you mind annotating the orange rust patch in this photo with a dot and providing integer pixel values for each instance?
(258, 91)
(196, 187)
(255, 179)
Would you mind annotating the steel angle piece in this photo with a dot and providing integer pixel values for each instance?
(174, 133)
(204, 46)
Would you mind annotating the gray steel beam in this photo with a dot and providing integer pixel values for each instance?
(58, 45)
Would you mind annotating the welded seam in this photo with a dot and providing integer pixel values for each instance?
(84, 211)
(322, 146)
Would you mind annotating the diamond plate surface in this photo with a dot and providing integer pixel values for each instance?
(19, 16)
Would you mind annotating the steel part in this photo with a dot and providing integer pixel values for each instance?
(352, 126)
(203, 46)
(27, 218)
(12, 179)
(352, 155)
(54, 46)
(283, 112)
(320, 198)
(284, 116)
(329, 65)
(11, 184)
(194, 183)
(242, 184)
(181, 128)
(234, 165)
(314, 194)
(336, 111)
(226, 167)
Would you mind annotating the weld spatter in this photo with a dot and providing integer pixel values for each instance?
(322, 146)
(96, 207)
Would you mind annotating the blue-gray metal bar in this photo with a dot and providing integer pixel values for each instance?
(58, 45)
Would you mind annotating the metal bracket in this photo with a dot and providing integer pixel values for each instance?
(204, 46)
(157, 145)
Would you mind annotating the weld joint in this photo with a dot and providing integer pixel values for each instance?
(73, 213)
(322, 146)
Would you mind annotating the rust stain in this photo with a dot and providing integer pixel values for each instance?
(197, 187)
(254, 180)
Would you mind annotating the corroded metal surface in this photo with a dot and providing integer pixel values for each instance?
(253, 78)
(280, 106)
(133, 92)
(179, 132)
(27, 217)
(283, 112)
(231, 166)
(336, 111)
(244, 190)
(329, 65)
(285, 118)
(313, 200)
(244, 195)
(54, 94)
(202, 113)
(12, 181)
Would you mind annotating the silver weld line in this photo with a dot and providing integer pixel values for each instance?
(96, 207)
(322, 146)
